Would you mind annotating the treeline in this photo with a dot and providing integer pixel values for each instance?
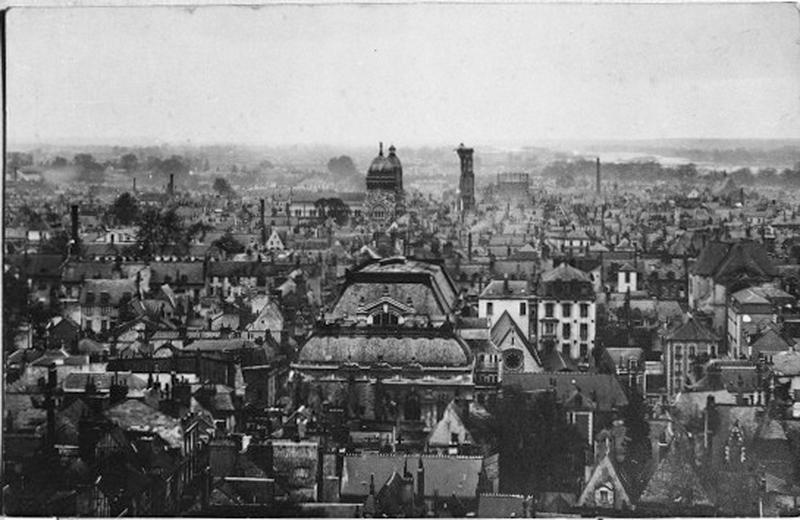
(566, 173)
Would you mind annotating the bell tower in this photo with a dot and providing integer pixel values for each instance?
(466, 184)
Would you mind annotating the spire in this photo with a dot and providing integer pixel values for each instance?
(380, 149)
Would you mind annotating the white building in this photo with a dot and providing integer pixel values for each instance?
(566, 314)
(511, 296)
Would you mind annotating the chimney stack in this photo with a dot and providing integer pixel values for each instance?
(134, 184)
(598, 176)
(74, 215)
(263, 221)
(171, 187)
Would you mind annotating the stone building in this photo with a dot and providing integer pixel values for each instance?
(385, 196)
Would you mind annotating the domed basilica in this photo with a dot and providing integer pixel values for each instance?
(384, 201)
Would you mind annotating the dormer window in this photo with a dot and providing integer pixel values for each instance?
(385, 318)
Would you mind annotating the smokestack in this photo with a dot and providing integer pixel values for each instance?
(741, 196)
(134, 184)
(74, 221)
(598, 176)
(263, 222)
(171, 188)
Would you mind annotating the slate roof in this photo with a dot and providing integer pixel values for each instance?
(675, 483)
(444, 475)
(721, 259)
(500, 506)
(134, 415)
(770, 341)
(367, 349)
(37, 266)
(76, 381)
(219, 345)
(565, 272)
(496, 289)
(691, 330)
(175, 271)
(604, 389)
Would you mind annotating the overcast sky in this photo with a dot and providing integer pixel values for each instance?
(410, 74)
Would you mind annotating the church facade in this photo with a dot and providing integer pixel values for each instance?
(385, 197)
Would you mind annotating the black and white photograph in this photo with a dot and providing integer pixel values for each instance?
(401, 259)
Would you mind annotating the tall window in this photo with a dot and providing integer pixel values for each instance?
(489, 308)
(584, 332)
(548, 310)
(566, 310)
(384, 318)
(584, 310)
(566, 330)
(523, 308)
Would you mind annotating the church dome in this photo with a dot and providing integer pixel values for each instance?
(381, 163)
(385, 172)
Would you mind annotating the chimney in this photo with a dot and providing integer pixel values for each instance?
(74, 215)
(421, 481)
(263, 222)
(134, 184)
(506, 288)
(598, 176)
(469, 247)
(171, 187)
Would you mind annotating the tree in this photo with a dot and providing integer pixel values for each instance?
(538, 449)
(342, 166)
(228, 244)
(125, 209)
(59, 162)
(158, 231)
(638, 448)
(89, 170)
(129, 162)
(223, 187)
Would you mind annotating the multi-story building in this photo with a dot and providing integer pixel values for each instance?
(387, 352)
(722, 269)
(508, 296)
(566, 312)
(749, 312)
(689, 343)
(101, 301)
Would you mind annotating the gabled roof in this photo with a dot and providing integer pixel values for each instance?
(565, 273)
(720, 260)
(691, 330)
(136, 416)
(505, 326)
(608, 468)
(675, 483)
